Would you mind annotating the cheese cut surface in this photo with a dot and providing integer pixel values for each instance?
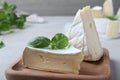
(68, 62)
(97, 12)
(93, 44)
(108, 8)
(112, 29)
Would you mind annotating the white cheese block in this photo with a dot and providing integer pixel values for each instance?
(112, 29)
(97, 12)
(64, 61)
(108, 8)
(94, 46)
(118, 12)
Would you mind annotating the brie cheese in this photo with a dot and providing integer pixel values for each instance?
(64, 61)
(97, 12)
(118, 12)
(108, 8)
(85, 36)
(92, 39)
(77, 18)
(112, 29)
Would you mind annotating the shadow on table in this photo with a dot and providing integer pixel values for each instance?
(114, 70)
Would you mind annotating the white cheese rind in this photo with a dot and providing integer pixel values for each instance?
(77, 38)
(48, 61)
(69, 50)
(72, 30)
(118, 12)
(92, 39)
(77, 18)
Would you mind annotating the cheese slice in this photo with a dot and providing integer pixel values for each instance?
(93, 44)
(64, 61)
(108, 8)
(97, 12)
(112, 29)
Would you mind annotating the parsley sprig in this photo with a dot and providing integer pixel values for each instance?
(59, 41)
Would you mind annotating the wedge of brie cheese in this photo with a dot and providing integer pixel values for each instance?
(64, 60)
(108, 8)
(84, 35)
(92, 39)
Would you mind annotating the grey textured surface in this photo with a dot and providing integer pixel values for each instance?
(57, 7)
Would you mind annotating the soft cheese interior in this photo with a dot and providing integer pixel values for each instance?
(64, 60)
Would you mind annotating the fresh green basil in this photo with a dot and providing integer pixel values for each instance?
(59, 41)
(9, 19)
(40, 42)
(113, 17)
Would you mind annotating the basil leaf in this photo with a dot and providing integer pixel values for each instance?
(23, 17)
(1, 44)
(4, 26)
(11, 7)
(40, 42)
(5, 5)
(9, 19)
(2, 15)
(113, 17)
(20, 22)
(59, 41)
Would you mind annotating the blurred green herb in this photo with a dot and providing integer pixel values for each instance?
(40, 42)
(113, 17)
(1, 44)
(9, 19)
(59, 41)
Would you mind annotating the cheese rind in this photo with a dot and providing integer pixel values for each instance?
(118, 12)
(93, 44)
(84, 36)
(47, 61)
(77, 18)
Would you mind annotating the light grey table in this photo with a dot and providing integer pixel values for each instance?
(17, 40)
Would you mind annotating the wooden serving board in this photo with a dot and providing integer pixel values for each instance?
(99, 70)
